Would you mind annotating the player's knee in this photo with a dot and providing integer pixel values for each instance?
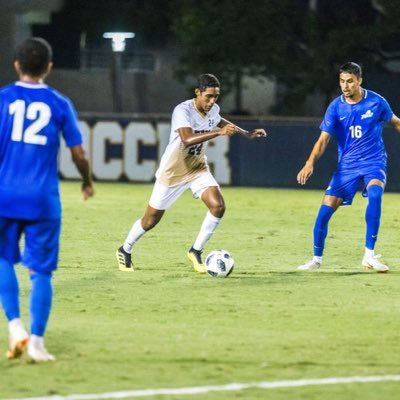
(38, 275)
(375, 193)
(218, 210)
(149, 223)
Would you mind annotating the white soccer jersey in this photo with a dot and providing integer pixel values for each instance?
(180, 164)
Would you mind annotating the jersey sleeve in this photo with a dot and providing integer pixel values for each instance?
(70, 128)
(386, 113)
(329, 122)
(180, 118)
(217, 116)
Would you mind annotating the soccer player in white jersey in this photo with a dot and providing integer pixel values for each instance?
(32, 115)
(184, 166)
(355, 120)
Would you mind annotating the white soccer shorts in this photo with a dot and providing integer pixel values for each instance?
(163, 196)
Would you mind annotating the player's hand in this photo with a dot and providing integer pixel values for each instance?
(228, 129)
(87, 191)
(305, 173)
(256, 133)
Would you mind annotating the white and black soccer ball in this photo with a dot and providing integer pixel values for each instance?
(219, 263)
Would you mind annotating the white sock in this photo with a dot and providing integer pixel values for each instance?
(36, 341)
(369, 253)
(208, 227)
(318, 259)
(134, 235)
(15, 323)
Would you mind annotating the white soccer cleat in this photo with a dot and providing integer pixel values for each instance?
(18, 339)
(37, 352)
(372, 262)
(309, 266)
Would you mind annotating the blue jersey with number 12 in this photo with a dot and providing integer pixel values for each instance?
(358, 129)
(31, 119)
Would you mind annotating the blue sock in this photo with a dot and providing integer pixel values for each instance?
(321, 229)
(373, 215)
(40, 302)
(9, 290)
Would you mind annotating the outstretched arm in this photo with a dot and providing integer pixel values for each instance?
(82, 163)
(255, 133)
(190, 138)
(316, 153)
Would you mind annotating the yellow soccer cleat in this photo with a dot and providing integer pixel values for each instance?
(124, 260)
(195, 257)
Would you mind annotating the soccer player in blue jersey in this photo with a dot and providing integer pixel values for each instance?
(32, 115)
(355, 120)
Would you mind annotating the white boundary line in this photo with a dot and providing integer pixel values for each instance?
(219, 388)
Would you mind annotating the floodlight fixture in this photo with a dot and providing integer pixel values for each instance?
(118, 39)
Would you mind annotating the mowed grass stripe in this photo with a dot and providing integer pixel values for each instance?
(164, 326)
(230, 387)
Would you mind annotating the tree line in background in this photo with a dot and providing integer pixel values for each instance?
(299, 44)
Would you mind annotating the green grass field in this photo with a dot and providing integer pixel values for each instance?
(164, 326)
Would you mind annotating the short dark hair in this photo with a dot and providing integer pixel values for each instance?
(207, 80)
(351, 68)
(34, 55)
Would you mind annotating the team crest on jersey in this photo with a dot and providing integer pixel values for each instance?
(368, 114)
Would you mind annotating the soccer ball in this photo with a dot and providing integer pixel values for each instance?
(219, 263)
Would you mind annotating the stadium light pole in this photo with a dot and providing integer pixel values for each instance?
(118, 42)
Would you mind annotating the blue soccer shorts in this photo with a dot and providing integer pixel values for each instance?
(345, 182)
(41, 248)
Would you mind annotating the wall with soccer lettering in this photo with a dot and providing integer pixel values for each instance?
(130, 151)
(123, 149)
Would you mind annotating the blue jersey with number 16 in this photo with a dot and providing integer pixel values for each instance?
(358, 129)
(31, 119)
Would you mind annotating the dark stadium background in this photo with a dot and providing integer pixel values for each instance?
(277, 61)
